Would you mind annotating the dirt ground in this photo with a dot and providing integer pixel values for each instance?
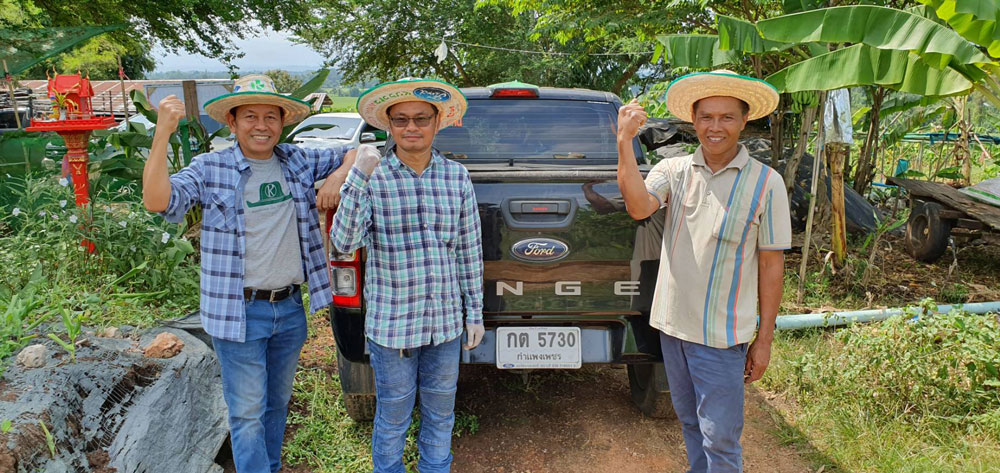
(578, 421)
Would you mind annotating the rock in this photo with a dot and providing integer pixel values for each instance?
(33, 356)
(110, 332)
(165, 345)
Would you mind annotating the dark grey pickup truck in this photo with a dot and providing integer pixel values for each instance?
(568, 274)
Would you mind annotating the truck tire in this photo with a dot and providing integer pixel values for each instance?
(650, 393)
(357, 384)
(926, 232)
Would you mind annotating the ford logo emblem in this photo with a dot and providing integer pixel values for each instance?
(539, 250)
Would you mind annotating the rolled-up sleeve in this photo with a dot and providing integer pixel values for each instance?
(186, 189)
(350, 224)
(469, 252)
(658, 182)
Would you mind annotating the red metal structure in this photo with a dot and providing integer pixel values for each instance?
(73, 119)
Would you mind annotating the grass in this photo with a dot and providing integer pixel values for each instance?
(853, 434)
(342, 104)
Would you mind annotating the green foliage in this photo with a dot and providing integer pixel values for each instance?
(5, 426)
(205, 27)
(283, 81)
(50, 441)
(140, 268)
(976, 21)
(73, 326)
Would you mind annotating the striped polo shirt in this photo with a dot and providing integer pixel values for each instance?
(706, 289)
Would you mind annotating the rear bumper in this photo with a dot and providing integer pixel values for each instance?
(624, 338)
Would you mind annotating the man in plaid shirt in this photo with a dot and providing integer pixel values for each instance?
(260, 240)
(416, 213)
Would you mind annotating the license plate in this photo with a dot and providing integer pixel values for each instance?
(538, 347)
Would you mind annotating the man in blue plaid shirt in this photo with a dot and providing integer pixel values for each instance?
(416, 213)
(260, 239)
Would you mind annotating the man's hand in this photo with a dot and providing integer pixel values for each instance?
(758, 357)
(328, 195)
(170, 113)
(367, 159)
(475, 334)
(631, 116)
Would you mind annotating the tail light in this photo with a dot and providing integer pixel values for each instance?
(345, 271)
(513, 89)
(345, 274)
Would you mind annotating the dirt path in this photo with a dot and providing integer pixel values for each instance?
(577, 421)
(585, 422)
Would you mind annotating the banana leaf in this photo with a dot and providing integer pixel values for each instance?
(695, 51)
(795, 6)
(864, 65)
(741, 35)
(975, 20)
(878, 27)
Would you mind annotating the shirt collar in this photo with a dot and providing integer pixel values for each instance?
(242, 162)
(395, 162)
(741, 159)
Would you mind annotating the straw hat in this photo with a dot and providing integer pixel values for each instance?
(256, 89)
(684, 91)
(374, 103)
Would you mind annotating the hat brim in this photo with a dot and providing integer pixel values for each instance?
(374, 103)
(684, 91)
(295, 110)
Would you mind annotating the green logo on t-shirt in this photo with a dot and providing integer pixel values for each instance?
(270, 193)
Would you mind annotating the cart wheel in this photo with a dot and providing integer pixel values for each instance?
(926, 232)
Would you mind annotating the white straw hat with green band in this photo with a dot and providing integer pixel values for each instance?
(684, 91)
(374, 103)
(256, 89)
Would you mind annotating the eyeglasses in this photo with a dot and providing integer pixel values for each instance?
(403, 122)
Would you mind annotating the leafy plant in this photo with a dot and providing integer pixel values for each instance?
(50, 441)
(5, 426)
(73, 327)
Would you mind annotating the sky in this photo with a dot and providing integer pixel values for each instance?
(272, 50)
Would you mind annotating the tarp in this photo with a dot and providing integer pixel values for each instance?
(987, 192)
(22, 48)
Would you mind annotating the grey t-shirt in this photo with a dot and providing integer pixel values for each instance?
(273, 257)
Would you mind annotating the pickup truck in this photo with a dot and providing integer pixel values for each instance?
(568, 275)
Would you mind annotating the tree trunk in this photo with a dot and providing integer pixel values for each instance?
(837, 154)
(620, 83)
(792, 166)
(865, 171)
(777, 132)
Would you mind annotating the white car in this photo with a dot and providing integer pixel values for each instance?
(348, 130)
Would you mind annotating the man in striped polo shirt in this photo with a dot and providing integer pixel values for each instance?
(721, 261)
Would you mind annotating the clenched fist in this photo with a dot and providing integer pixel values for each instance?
(171, 111)
(630, 117)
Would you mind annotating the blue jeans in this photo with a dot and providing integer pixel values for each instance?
(431, 370)
(257, 380)
(706, 387)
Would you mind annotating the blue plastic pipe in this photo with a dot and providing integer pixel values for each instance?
(833, 319)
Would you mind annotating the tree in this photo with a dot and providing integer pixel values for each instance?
(99, 57)
(283, 81)
(206, 27)
(385, 40)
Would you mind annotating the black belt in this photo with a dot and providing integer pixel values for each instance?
(271, 295)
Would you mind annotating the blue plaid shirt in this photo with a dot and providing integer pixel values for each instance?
(425, 257)
(216, 181)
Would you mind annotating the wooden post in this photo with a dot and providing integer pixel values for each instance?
(13, 100)
(817, 163)
(121, 83)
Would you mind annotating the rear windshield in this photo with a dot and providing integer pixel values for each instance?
(505, 129)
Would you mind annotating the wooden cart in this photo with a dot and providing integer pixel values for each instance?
(938, 212)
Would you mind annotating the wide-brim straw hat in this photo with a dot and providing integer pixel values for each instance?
(257, 89)
(374, 103)
(684, 91)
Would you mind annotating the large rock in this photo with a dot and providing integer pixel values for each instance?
(116, 410)
(165, 345)
(33, 356)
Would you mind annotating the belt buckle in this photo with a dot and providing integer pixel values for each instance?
(270, 298)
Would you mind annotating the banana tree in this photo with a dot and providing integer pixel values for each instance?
(895, 49)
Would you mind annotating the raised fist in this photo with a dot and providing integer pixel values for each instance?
(171, 111)
(631, 116)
